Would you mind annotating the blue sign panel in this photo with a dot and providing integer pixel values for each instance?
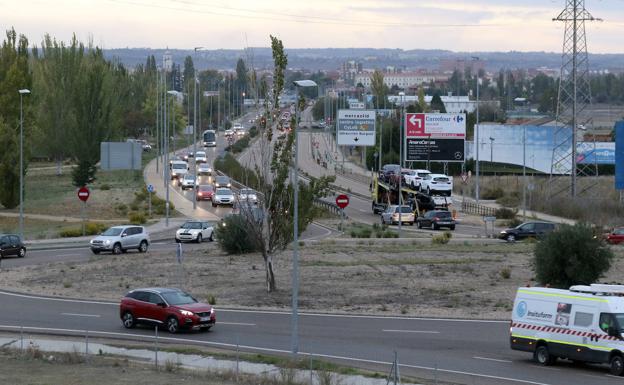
(619, 155)
(595, 153)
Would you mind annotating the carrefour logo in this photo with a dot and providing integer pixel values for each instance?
(459, 118)
(521, 309)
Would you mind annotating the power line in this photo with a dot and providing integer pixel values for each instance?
(274, 16)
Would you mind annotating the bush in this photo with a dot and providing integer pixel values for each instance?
(105, 187)
(137, 218)
(233, 235)
(91, 228)
(505, 273)
(253, 132)
(361, 232)
(442, 239)
(493, 193)
(506, 213)
(571, 255)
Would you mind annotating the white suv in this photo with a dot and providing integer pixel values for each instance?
(414, 177)
(188, 181)
(119, 239)
(437, 184)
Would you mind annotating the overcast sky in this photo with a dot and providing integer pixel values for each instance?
(470, 25)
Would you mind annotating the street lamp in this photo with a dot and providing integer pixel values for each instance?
(402, 95)
(477, 137)
(491, 150)
(295, 271)
(21, 168)
(166, 162)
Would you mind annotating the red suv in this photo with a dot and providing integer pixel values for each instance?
(172, 308)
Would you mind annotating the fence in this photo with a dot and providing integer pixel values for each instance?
(477, 209)
(331, 207)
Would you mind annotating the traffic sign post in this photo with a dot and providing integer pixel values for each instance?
(83, 195)
(150, 190)
(342, 201)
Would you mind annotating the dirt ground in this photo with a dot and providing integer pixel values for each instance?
(351, 276)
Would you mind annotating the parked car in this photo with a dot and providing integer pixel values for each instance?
(172, 308)
(119, 239)
(195, 231)
(436, 219)
(391, 215)
(11, 245)
(222, 181)
(437, 184)
(247, 195)
(200, 157)
(412, 178)
(204, 169)
(223, 196)
(179, 168)
(205, 192)
(527, 230)
(187, 181)
(616, 236)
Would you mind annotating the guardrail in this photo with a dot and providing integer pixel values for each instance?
(477, 209)
(331, 207)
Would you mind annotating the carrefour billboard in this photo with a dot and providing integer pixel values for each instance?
(595, 153)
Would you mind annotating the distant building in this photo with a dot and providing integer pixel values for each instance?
(167, 61)
(453, 104)
(403, 80)
(349, 70)
(450, 65)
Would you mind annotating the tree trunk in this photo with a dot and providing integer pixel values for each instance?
(270, 276)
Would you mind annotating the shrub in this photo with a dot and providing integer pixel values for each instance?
(442, 239)
(505, 273)
(389, 234)
(105, 187)
(506, 213)
(136, 218)
(511, 200)
(91, 228)
(122, 209)
(233, 235)
(212, 300)
(253, 132)
(493, 193)
(571, 255)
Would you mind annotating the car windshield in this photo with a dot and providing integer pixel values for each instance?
(179, 166)
(443, 214)
(191, 225)
(113, 231)
(178, 298)
(189, 177)
(223, 191)
(222, 179)
(200, 154)
(404, 210)
(205, 188)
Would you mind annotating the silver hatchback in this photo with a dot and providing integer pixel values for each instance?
(119, 239)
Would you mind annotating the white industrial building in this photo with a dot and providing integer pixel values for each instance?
(453, 104)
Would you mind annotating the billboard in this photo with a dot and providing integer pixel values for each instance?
(602, 153)
(356, 128)
(435, 137)
(357, 106)
(120, 156)
(435, 125)
(619, 155)
(434, 149)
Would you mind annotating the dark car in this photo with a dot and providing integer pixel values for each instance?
(616, 236)
(11, 245)
(390, 173)
(436, 219)
(205, 192)
(172, 308)
(527, 230)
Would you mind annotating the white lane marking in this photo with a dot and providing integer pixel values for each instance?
(410, 331)
(236, 323)
(53, 249)
(222, 310)
(67, 255)
(149, 337)
(492, 359)
(80, 315)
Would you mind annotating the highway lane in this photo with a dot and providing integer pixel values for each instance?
(469, 351)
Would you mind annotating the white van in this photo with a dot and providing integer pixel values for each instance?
(581, 324)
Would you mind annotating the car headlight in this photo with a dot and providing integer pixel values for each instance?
(503, 232)
(186, 312)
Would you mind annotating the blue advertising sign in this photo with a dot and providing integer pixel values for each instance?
(595, 153)
(619, 155)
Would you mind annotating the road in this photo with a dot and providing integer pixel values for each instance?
(468, 351)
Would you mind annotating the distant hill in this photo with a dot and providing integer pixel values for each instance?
(332, 58)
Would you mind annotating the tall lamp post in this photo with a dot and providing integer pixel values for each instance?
(402, 95)
(477, 137)
(195, 105)
(22, 92)
(491, 150)
(295, 272)
(166, 162)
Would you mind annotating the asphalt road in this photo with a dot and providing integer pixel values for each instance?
(466, 351)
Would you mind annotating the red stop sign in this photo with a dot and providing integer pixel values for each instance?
(83, 193)
(342, 201)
